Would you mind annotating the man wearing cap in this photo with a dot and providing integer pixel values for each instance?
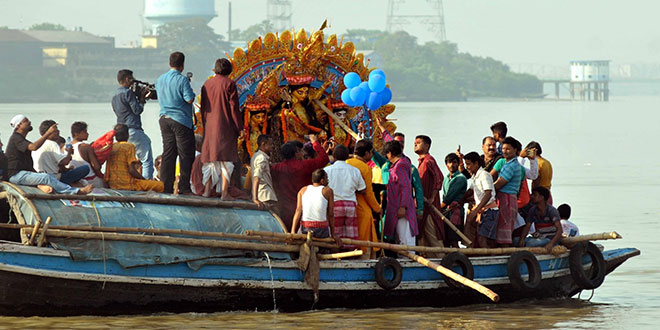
(19, 158)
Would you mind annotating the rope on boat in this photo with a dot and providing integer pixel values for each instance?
(98, 218)
(591, 296)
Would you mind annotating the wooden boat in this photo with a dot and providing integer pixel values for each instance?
(74, 276)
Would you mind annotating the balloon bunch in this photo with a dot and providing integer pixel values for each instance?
(372, 93)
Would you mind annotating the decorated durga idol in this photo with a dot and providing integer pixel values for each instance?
(293, 84)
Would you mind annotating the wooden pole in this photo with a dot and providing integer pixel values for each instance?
(146, 230)
(42, 238)
(591, 237)
(397, 247)
(458, 278)
(179, 201)
(37, 224)
(448, 222)
(336, 119)
(231, 245)
(354, 253)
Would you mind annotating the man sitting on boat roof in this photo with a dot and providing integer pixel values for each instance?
(122, 168)
(50, 159)
(20, 164)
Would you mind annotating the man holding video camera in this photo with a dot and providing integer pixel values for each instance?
(175, 96)
(128, 108)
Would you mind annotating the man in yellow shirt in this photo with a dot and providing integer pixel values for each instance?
(122, 167)
(545, 170)
(366, 202)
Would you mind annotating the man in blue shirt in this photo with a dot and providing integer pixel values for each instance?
(175, 97)
(128, 109)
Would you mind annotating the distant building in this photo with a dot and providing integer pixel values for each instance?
(590, 71)
(77, 55)
(590, 80)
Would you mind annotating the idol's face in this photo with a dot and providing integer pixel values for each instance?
(341, 114)
(258, 118)
(301, 93)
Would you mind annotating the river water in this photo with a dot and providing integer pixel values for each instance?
(606, 166)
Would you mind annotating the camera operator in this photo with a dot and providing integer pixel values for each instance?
(175, 97)
(128, 107)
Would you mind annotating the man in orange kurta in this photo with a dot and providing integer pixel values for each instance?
(366, 202)
(121, 169)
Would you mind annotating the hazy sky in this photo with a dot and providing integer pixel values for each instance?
(514, 31)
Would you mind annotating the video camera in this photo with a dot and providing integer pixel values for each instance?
(141, 89)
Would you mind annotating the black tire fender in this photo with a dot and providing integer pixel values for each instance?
(379, 270)
(533, 269)
(457, 259)
(598, 267)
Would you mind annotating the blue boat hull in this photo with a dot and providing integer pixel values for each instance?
(44, 281)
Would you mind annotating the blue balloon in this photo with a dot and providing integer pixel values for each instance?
(377, 83)
(346, 97)
(373, 102)
(385, 96)
(377, 72)
(358, 95)
(351, 80)
(365, 85)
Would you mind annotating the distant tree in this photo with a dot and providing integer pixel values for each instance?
(201, 45)
(4, 27)
(253, 31)
(48, 27)
(192, 35)
(438, 71)
(363, 38)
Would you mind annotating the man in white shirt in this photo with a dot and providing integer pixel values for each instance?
(50, 159)
(485, 211)
(262, 181)
(345, 180)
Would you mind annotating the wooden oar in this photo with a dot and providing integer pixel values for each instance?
(448, 222)
(449, 273)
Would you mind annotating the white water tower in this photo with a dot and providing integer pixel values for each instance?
(160, 12)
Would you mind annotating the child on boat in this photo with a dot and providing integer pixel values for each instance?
(569, 228)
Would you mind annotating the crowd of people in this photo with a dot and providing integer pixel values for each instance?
(324, 188)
